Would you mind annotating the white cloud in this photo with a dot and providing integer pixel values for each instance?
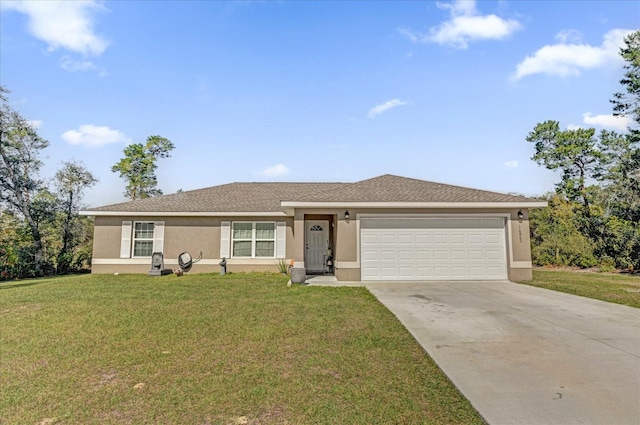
(72, 65)
(608, 121)
(62, 24)
(275, 171)
(564, 59)
(94, 136)
(566, 36)
(574, 127)
(512, 164)
(466, 25)
(383, 107)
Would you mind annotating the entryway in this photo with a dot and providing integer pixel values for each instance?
(318, 257)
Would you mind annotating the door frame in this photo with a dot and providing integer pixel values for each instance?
(308, 224)
(329, 221)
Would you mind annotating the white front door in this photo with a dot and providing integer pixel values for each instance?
(317, 243)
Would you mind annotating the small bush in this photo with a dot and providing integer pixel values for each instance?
(283, 266)
(607, 264)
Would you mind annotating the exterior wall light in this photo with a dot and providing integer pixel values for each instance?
(520, 216)
(346, 215)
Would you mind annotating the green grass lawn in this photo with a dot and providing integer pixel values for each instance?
(615, 288)
(210, 349)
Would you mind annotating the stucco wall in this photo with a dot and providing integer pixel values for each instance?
(348, 275)
(190, 234)
(347, 240)
(181, 234)
(520, 239)
(106, 237)
(195, 234)
(520, 275)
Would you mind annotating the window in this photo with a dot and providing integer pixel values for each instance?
(253, 240)
(143, 239)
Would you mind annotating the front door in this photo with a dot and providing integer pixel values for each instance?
(317, 244)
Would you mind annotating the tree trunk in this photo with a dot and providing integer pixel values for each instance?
(23, 205)
(37, 240)
(583, 192)
(63, 263)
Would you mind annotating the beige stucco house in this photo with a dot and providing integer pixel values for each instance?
(384, 228)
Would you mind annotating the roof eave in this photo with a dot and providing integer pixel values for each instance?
(435, 205)
(289, 208)
(185, 213)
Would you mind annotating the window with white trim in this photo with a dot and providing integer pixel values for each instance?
(143, 238)
(253, 239)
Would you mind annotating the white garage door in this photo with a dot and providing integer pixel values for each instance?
(433, 249)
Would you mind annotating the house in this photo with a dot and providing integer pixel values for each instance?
(384, 228)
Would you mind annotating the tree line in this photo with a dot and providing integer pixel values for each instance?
(593, 215)
(41, 232)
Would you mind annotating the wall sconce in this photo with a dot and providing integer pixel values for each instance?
(520, 216)
(346, 215)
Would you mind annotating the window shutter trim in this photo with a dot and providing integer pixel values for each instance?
(225, 239)
(125, 239)
(281, 239)
(158, 236)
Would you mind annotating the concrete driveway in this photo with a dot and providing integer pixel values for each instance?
(524, 355)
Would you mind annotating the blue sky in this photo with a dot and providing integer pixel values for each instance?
(312, 91)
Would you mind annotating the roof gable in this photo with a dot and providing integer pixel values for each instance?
(390, 188)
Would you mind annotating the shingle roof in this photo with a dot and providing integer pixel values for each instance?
(390, 188)
(232, 197)
(267, 197)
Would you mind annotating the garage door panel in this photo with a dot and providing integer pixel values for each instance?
(406, 272)
(441, 272)
(370, 272)
(424, 272)
(458, 255)
(475, 255)
(405, 255)
(493, 254)
(459, 272)
(433, 248)
(441, 255)
(440, 239)
(388, 272)
(495, 272)
(422, 255)
(369, 239)
(370, 255)
(476, 270)
(388, 255)
(387, 240)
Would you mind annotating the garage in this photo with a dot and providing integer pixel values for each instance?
(433, 248)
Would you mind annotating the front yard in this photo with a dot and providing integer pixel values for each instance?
(209, 349)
